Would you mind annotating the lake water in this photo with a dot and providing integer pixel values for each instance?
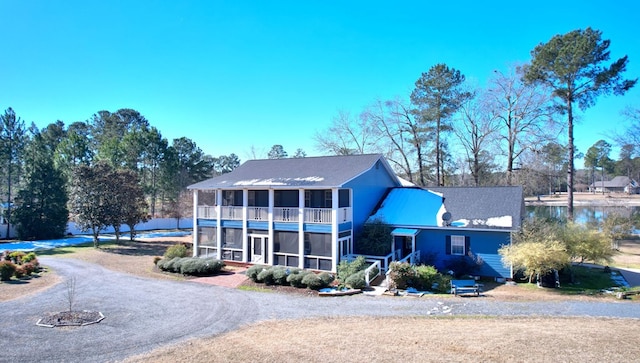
(582, 214)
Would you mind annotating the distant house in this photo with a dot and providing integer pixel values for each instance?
(619, 184)
(306, 213)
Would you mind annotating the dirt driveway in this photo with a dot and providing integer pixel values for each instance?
(143, 314)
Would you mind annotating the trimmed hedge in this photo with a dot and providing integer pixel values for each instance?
(281, 275)
(295, 279)
(193, 266)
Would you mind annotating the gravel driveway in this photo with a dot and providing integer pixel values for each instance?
(144, 314)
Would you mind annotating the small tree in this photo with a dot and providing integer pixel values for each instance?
(375, 239)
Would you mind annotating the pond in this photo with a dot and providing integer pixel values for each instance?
(582, 214)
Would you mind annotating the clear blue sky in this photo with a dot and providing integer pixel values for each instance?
(232, 75)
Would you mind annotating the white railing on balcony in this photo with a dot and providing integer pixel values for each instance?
(317, 215)
(231, 212)
(207, 212)
(258, 213)
(344, 214)
(285, 214)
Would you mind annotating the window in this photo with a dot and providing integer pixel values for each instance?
(458, 245)
(317, 244)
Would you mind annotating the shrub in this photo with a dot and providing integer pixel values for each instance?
(29, 257)
(7, 269)
(463, 265)
(19, 272)
(326, 278)
(426, 276)
(176, 251)
(16, 257)
(196, 266)
(401, 275)
(313, 281)
(346, 268)
(280, 274)
(171, 265)
(266, 276)
(253, 271)
(356, 280)
(156, 260)
(30, 267)
(295, 278)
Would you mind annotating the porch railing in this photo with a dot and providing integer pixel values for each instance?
(231, 212)
(286, 214)
(317, 215)
(207, 212)
(258, 213)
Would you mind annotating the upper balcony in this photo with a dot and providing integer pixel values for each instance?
(280, 214)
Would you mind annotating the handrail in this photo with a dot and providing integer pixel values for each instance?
(367, 271)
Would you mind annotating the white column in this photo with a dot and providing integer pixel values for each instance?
(334, 229)
(301, 228)
(245, 238)
(195, 223)
(270, 255)
(219, 223)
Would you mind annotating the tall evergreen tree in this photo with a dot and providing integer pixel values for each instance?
(573, 67)
(438, 94)
(13, 138)
(41, 211)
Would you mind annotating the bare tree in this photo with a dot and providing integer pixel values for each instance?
(524, 112)
(391, 119)
(347, 135)
(476, 129)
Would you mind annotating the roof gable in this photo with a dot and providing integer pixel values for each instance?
(308, 172)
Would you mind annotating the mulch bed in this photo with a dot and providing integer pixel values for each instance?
(71, 318)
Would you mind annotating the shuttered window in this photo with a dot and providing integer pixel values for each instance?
(457, 245)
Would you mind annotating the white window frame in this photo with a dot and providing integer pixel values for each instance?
(458, 245)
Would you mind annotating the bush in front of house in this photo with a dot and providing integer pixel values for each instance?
(401, 275)
(196, 266)
(280, 274)
(423, 277)
(7, 270)
(193, 266)
(348, 268)
(313, 282)
(178, 250)
(327, 278)
(295, 278)
(266, 276)
(253, 271)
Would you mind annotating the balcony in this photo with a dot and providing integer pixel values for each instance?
(280, 214)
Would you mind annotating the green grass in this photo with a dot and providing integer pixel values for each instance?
(254, 288)
(587, 281)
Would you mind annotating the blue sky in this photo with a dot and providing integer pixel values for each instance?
(237, 75)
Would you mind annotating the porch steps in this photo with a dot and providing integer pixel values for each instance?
(377, 287)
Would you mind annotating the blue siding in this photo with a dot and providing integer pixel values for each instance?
(485, 245)
(317, 228)
(258, 225)
(231, 224)
(207, 223)
(345, 226)
(285, 226)
(368, 190)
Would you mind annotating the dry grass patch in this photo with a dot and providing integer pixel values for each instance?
(415, 340)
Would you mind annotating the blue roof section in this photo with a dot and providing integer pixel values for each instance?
(405, 232)
(410, 208)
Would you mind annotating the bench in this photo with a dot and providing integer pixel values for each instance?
(464, 286)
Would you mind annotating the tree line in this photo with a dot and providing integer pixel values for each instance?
(112, 169)
(447, 132)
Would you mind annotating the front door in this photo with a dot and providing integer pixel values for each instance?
(258, 248)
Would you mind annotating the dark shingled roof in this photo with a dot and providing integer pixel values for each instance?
(478, 204)
(308, 172)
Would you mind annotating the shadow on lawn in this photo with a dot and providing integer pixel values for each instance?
(139, 248)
